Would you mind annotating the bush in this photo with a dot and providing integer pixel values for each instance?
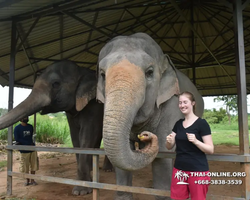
(49, 129)
(214, 116)
(4, 132)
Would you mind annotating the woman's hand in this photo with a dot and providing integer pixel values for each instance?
(170, 140)
(191, 138)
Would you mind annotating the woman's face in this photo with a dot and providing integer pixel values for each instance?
(185, 104)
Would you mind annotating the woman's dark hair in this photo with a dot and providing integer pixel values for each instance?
(190, 96)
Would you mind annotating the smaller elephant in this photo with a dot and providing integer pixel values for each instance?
(64, 86)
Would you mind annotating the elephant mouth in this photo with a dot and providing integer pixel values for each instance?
(48, 109)
(150, 141)
(44, 111)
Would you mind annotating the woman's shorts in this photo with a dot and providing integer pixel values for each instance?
(29, 162)
(187, 184)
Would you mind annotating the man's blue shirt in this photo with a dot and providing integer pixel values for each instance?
(24, 135)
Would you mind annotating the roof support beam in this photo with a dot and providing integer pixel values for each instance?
(154, 32)
(197, 35)
(24, 49)
(219, 32)
(245, 4)
(118, 23)
(192, 41)
(10, 105)
(90, 33)
(51, 9)
(241, 79)
(241, 91)
(86, 23)
(226, 3)
(169, 15)
(137, 18)
(61, 34)
(56, 60)
(27, 34)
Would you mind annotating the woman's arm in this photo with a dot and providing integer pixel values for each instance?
(206, 146)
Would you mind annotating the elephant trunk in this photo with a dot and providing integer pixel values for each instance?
(125, 93)
(32, 104)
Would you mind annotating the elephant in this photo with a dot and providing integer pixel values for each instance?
(139, 87)
(64, 86)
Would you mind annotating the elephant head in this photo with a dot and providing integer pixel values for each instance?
(134, 79)
(63, 86)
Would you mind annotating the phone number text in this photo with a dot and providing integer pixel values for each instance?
(219, 182)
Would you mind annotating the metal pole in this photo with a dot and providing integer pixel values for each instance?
(241, 91)
(96, 176)
(34, 132)
(193, 40)
(10, 106)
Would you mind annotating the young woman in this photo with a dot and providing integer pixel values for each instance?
(192, 136)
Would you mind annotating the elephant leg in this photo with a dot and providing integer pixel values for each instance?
(107, 165)
(123, 178)
(162, 180)
(83, 173)
(90, 136)
(83, 165)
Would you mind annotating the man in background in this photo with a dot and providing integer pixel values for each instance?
(23, 134)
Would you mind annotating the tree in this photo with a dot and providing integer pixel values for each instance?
(230, 101)
(214, 116)
(3, 111)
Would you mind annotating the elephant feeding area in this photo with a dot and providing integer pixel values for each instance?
(64, 166)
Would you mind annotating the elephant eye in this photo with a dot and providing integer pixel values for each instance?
(149, 73)
(55, 85)
(103, 75)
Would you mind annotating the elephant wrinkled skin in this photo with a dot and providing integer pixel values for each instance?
(139, 86)
(64, 86)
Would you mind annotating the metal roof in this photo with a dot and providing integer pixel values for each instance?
(198, 35)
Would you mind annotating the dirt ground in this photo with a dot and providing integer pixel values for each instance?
(64, 165)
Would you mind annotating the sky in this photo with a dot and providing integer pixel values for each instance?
(20, 94)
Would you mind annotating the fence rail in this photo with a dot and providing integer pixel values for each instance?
(97, 186)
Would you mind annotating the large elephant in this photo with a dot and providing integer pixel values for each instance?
(64, 86)
(139, 86)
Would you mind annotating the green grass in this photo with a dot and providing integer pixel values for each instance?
(102, 145)
(3, 164)
(225, 137)
(224, 133)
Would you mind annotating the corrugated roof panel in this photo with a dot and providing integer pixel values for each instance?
(45, 30)
(5, 35)
(46, 51)
(16, 7)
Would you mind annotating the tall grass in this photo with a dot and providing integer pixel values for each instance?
(49, 129)
(56, 130)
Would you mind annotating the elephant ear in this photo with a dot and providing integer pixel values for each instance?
(169, 85)
(85, 92)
